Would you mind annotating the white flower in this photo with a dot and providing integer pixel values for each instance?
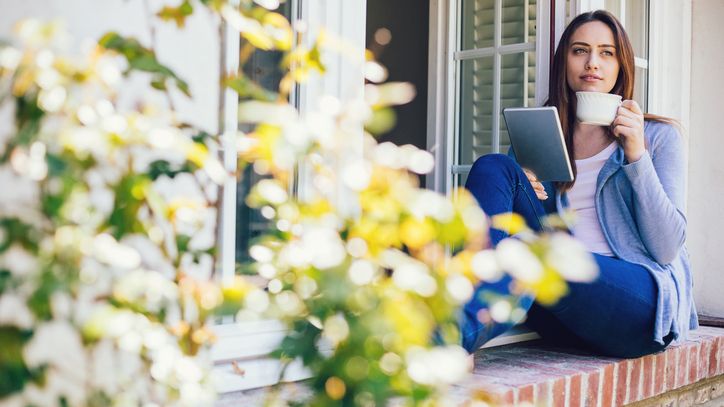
(357, 175)
(437, 366)
(362, 272)
(58, 344)
(107, 250)
(18, 261)
(516, 258)
(414, 276)
(336, 329)
(14, 311)
(571, 258)
(325, 247)
(52, 100)
(485, 266)
(10, 58)
(459, 288)
(271, 191)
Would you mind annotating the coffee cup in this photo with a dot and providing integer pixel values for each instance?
(597, 108)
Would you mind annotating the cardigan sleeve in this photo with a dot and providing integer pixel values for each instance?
(658, 179)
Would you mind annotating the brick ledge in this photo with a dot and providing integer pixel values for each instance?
(547, 376)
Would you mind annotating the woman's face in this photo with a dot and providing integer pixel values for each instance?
(592, 63)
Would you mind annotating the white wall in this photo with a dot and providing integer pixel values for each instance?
(193, 53)
(706, 152)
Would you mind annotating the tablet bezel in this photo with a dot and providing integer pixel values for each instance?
(541, 132)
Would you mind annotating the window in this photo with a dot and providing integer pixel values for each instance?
(497, 66)
(634, 15)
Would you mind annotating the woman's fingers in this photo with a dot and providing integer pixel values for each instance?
(538, 188)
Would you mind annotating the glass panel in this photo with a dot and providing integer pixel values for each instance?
(517, 16)
(478, 24)
(263, 68)
(476, 108)
(517, 88)
(641, 88)
(637, 26)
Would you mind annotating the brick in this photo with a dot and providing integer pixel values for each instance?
(647, 377)
(526, 394)
(704, 352)
(686, 399)
(622, 378)
(670, 373)
(559, 392)
(694, 363)
(592, 386)
(574, 391)
(660, 376)
(634, 391)
(681, 366)
(713, 358)
(702, 395)
(607, 393)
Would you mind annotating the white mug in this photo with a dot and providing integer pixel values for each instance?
(597, 108)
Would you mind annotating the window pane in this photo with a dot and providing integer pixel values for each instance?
(641, 88)
(518, 21)
(517, 87)
(476, 108)
(637, 26)
(263, 68)
(478, 23)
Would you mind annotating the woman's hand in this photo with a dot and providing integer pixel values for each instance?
(540, 192)
(629, 128)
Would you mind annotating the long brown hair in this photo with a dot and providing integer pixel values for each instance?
(563, 98)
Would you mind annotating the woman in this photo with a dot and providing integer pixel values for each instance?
(628, 194)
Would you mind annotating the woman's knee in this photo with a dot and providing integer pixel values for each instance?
(493, 165)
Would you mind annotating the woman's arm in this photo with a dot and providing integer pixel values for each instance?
(658, 179)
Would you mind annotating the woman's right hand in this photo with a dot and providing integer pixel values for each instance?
(540, 192)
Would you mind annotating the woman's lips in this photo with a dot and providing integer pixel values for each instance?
(591, 78)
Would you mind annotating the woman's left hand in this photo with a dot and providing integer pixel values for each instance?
(629, 128)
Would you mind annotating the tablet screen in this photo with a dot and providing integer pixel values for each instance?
(537, 140)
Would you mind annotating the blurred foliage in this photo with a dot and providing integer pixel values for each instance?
(108, 249)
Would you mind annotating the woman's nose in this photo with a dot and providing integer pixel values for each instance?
(592, 62)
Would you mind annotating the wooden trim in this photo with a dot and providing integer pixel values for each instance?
(708, 320)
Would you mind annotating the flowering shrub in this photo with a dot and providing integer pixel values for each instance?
(107, 239)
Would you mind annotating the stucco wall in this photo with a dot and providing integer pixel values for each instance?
(706, 155)
(193, 53)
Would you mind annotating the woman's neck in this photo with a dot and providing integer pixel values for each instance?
(589, 140)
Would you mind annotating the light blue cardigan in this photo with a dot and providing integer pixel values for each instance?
(641, 210)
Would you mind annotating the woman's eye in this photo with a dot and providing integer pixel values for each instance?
(578, 51)
(607, 53)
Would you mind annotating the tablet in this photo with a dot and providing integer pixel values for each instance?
(537, 140)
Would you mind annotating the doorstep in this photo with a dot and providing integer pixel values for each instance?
(544, 375)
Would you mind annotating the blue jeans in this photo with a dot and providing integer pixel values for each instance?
(613, 315)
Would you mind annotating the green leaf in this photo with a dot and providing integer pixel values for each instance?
(177, 14)
(248, 89)
(130, 195)
(14, 374)
(143, 59)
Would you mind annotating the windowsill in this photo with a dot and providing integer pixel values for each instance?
(242, 362)
(543, 375)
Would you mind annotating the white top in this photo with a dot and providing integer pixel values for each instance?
(587, 229)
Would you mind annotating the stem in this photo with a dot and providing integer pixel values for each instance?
(152, 34)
